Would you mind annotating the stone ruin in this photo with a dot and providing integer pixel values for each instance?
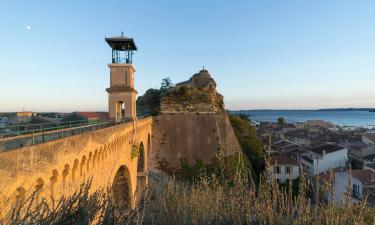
(198, 94)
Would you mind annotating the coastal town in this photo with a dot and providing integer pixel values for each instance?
(322, 152)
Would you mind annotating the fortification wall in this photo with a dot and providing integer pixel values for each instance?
(60, 166)
(190, 136)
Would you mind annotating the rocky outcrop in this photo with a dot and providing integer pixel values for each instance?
(149, 103)
(191, 125)
(198, 94)
(201, 80)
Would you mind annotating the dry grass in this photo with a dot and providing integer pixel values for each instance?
(213, 202)
(207, 201)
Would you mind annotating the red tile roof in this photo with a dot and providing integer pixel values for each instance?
(282, 160)
(327, 148)
(93, 115)
(371, 137)
(86, 116)
(365, 176)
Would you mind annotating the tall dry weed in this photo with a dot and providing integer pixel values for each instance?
(208, 200)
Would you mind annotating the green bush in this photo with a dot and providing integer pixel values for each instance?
(184, 91)
(248, 140)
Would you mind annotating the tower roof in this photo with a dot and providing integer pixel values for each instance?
(121, 43)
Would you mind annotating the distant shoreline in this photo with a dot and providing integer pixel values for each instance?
(357, 117)
(327, 109)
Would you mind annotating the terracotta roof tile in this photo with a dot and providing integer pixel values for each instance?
(283, 159)
(327, 148)
(365, 176)
(370, 137)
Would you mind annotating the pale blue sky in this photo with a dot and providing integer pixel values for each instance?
(263, 54)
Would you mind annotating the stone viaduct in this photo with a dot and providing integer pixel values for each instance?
(111, 157)
(114, 157)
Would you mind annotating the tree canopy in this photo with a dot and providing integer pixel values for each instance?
(281, 121)
(166, 84)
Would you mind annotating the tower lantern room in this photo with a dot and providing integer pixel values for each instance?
(122, 49)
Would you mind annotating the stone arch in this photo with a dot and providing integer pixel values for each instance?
(53, 180)
(120, 110)
(112, 146)
(110, 149)
(100, 155)
(39, 185)
(94, 159)
(122, 190)
(141, 158)
(74, 169)
(20, 196)
(83, 162)
(89, 161)
(105, 154)
(65, 173)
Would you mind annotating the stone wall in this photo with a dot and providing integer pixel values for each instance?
(194, 101)
(60, 166)
(191, 136)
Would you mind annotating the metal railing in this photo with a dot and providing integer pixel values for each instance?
(18, 138)
(22, 129)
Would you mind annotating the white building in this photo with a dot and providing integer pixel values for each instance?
(321, 159)
(284, 168)
(363, 151)
(368, 139)
(362, 183)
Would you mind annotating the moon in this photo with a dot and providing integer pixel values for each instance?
(28, 27)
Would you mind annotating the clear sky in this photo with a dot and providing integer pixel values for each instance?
(262, 54)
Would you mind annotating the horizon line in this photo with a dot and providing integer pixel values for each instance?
(258, 109)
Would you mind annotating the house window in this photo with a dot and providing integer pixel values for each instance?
(289, 169)
(356, 191)
(276, 169)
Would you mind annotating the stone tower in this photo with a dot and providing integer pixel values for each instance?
(121, 93)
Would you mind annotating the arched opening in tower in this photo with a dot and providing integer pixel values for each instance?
(141, 158)
(120, 110)
(122, 193)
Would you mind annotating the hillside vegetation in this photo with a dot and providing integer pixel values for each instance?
(248, 140)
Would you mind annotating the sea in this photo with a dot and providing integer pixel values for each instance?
(351, 118)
